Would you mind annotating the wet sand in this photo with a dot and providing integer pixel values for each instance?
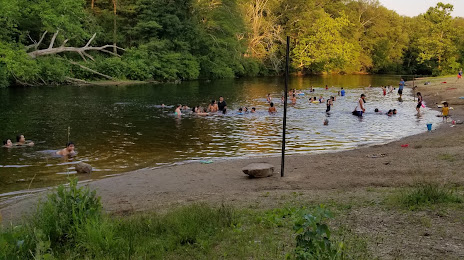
(223, 181)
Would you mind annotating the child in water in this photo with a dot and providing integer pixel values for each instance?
(253, 110)
(294, 99)
(445, 111)
(384, 89)
(269, 98)
(419, 102)
(272, 109)
(240, 111)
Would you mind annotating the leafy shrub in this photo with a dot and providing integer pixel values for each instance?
(53, 70)
(313, 237)
(65, 212)
(55, 225)
(427, 194)
(138, 70)
(113, 67)
(17, 63)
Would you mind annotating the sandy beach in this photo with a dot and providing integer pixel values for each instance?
(341, 176)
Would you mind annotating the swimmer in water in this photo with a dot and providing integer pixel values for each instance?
(253, 110)
(213, 107)
(240, 111)
(7, 143)
(390, 112)
(245, 110)
(202, 112)
(294, 99)
(68, 151)
(269, 98)
(21, 141)
(178, 113)
(394, 111)
(321, 100)
(272, 109)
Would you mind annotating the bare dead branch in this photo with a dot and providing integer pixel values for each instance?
(64, 43)
(79, 81)
(91, 70)
(36, 44)
(88, 56)
(80, 50)
(52, 42)
(91, 39)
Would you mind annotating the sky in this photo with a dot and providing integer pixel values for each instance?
(416, 7)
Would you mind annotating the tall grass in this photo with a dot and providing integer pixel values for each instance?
(70, 225)
(422, 194)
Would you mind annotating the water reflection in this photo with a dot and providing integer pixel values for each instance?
(118, 129)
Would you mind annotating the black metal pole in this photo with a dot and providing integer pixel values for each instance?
(282, 166)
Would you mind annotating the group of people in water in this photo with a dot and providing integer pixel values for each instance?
(221, 106)
(22, 142)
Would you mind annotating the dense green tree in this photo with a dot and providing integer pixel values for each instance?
(188, 39)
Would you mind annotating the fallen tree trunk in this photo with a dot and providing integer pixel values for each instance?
(91, 70)
(79, 81)
(80, 50)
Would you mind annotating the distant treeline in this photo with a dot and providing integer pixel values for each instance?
(59, 41)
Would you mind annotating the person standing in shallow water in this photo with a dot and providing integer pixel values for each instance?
(222, 105)
(329, 104)
(360, 109)
(400, 88)
(419, 102)
(178, 113)
(272, 109)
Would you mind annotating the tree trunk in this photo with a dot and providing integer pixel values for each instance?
(115, 49)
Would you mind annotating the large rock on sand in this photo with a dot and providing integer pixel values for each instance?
(83, 168)
(259, 170)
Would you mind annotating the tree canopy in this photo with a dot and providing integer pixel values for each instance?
(166, 40)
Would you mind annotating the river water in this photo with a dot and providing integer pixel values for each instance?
(124, 128)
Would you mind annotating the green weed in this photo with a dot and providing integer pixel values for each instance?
(447, 157)
(427, 194)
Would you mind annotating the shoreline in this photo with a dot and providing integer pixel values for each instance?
(155, 188)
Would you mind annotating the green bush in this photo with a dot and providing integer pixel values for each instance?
(63, 214)
(54, 227)
(313, 240)
(53, 70)
(112, 66)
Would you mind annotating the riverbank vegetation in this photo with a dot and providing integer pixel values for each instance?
(70, 224)
(60, 41)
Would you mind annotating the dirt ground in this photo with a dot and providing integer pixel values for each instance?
(432, 156)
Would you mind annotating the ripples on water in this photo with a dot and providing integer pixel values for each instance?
(118, 129)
